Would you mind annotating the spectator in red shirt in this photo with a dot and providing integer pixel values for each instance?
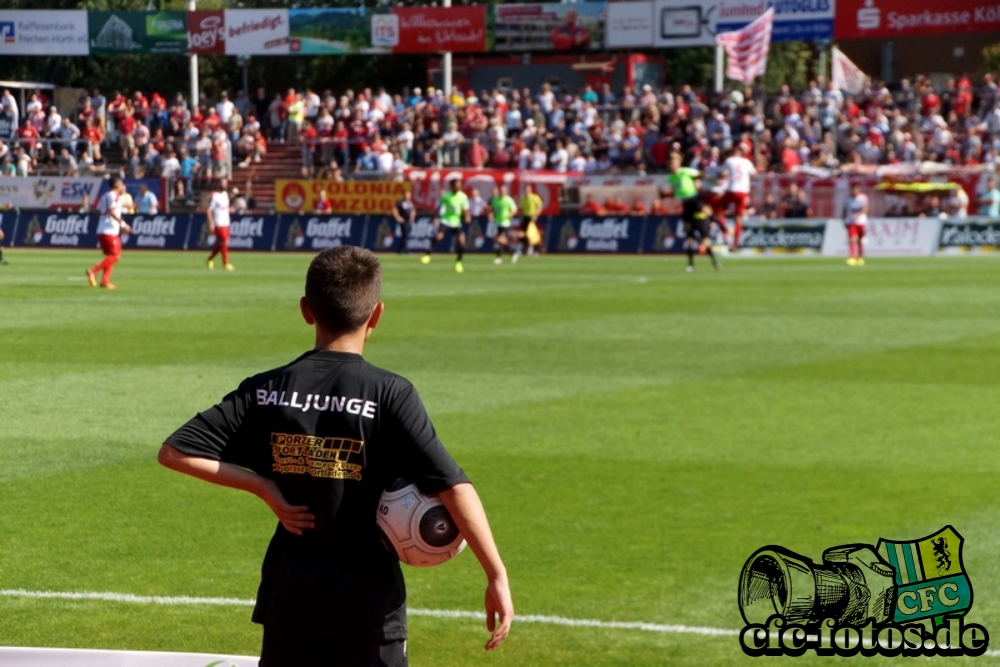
(92, 136)
(141, 106)
(639, 208)
(591, 207)
(477, 155)
(789, 157)
(28, 134)
(323, 205)
(126, 129)
(615, 205)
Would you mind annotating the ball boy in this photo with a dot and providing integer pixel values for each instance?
(318, 440)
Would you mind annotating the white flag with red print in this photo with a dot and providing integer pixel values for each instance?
(847, 76)
(747, 48)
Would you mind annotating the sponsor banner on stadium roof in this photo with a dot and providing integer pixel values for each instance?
(861, 19)
(794, 20)
(294, 195)
(696, 22)
(684, 22)
(431, 29)
(257, 32)
(41, 192)
(333, 30)
(44, 33)
(138, 32)
(207, 32)
(629, 24)
(549, 27)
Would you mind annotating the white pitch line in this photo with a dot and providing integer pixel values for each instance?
(435, 613)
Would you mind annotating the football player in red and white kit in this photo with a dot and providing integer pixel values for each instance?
(218, 223)
(109, 227)
(857, 218)
(740, 171)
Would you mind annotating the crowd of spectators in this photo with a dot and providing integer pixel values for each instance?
(153, 137)
(600, 131)
(590, 131)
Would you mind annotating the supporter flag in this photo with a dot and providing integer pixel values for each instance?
(747, 48)
(847, 76)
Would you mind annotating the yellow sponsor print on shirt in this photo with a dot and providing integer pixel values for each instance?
(317, 456)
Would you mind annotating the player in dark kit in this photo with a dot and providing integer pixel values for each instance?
(319, 440)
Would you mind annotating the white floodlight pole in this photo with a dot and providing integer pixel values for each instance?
(194, 70)
(446, 64)
(719, 64)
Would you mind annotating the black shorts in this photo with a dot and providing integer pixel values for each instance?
(455, 231)
(697, 229)
(691, 209)
(509, 230)
(288, 648)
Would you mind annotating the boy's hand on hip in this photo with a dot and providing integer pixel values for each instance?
(295, 518)
(498, 604)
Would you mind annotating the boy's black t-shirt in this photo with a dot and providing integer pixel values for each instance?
(333, 432)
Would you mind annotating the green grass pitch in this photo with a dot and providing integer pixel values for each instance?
(635, 432)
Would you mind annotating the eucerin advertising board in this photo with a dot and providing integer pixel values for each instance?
(44, 33)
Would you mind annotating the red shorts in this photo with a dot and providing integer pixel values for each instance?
(714, 199)
(111, 244)
(222, 234)
(855, 231)
(739, 199)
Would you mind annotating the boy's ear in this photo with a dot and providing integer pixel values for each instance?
(307, 314)
(376, 315)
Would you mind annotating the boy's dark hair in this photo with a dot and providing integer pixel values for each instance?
(343, 284)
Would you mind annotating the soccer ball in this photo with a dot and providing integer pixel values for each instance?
(417, 527)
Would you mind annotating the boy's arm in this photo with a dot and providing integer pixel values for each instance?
(467, 510)
(294, 518)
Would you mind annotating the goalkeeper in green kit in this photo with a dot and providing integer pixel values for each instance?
(453, 210)
(683, 182)
(502, 211)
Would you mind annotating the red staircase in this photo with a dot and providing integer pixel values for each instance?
(257, 179)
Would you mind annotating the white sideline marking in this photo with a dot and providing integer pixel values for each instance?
(436, 613)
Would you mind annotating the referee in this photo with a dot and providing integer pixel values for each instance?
(683, 182)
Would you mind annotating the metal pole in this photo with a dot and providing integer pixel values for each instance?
(719, 64)
(446, 64)
(194, 71)
(822, 60)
